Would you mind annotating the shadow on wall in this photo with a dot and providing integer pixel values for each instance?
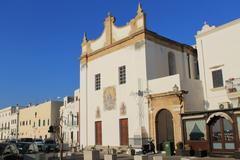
(194, 100)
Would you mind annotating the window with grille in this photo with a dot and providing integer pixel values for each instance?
(122, 74)
(217, 78)
(98, 81)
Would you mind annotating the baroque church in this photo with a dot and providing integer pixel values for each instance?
(134, 86)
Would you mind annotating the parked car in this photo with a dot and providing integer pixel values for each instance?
(39, 143)
(27, 147)
(13, 141)
(8, 152)
(26, 140)
(50, 145)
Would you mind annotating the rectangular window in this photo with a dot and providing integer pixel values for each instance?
(217, 78)
(195, 130)
(72, 119)
(43, 122)
(48, 122)
(78, 137)
(122, 74)
(238, 124)
(77, 118)
(39, 123)
(97, 81)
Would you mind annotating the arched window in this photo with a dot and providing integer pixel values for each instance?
(171, 63)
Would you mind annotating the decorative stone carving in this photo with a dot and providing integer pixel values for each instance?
(109, 98)
(123, 109)
(110, 33)
(98, 113)
(205, 28)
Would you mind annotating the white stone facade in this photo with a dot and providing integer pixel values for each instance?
(8, 123)
(70, 119)
(218, 50)
(145, 56)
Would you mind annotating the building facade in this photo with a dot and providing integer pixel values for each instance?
(69, 113)
(217, 128)
(34, 121)
(8, 123)
(134, 85)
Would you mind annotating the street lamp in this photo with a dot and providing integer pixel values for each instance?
(179, 94)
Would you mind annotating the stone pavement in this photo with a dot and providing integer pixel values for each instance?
(79, 156)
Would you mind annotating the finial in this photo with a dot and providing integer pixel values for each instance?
(84, 37)
(205, 22)
(140, 10)
(109, 14)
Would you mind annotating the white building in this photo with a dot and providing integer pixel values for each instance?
(218, 50)
(127, 78)
(218, 126)
(70, 119)
(8, 123)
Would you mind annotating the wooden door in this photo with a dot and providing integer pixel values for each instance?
(123, 124)
(164, 128)
(98, 133)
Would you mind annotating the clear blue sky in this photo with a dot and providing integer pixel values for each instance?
(40, 40)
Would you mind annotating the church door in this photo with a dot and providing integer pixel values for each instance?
(98, 133)
(123, 124)
(164, 128)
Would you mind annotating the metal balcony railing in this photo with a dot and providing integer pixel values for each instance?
(71, 124)
(4, 128)
(233, 85)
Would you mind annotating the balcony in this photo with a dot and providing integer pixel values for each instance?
(233, 87)
(71, 124)
(4, 128)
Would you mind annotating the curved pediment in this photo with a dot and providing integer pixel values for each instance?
(113, 33)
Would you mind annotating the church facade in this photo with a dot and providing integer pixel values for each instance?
(134, 86)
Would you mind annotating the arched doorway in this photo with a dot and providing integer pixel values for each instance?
(164, 128)
(222, 134)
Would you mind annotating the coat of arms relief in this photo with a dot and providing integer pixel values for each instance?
(109, 98)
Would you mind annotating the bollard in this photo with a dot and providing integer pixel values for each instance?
(110, 157)
(163, 153)
(140, 157)
(157, 157)
(91, 155)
